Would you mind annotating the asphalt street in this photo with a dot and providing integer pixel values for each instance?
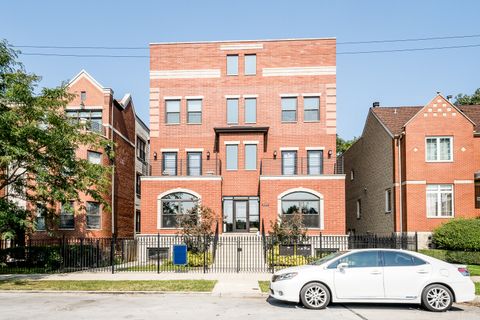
(196, 306)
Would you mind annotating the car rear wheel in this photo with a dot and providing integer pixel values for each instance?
(437, 298)
(315, 296)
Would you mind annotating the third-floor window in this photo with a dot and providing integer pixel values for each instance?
(232, 65)
(194, 111)
(172, 111)
(439, 149)
(250, 110)
(289, 109)
(311, 109)
(141, 149)
(250, 64)
(232, 111)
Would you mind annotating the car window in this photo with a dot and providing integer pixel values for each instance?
(364, 259)
(331, 256)
(400, 259)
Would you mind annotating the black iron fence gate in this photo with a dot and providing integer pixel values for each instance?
(221, 253)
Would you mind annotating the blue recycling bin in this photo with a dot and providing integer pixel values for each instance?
(180, 254)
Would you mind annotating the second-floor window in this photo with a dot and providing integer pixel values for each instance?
(311, 109)
(232, 65)
(289, 162)
(232, 156)
(232, 111)
(289, 109)
(250, 157)
(194, 111)
(94, 157)
(194, 163)
(172, 111)
(250, 64)
(439, 149)
(315, 162)
(169, 163)
(250, 110)
(141, 149)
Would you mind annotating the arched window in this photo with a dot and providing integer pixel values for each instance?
(175, 204)
(306, 203)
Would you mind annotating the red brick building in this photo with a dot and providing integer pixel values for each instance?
(247, 128)
(414, 168)
(113, 119)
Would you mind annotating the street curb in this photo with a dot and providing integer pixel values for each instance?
(110, 292)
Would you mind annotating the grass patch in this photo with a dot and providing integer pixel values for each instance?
(477, 288)
(474, 269)
(264, 286)
(104, 285)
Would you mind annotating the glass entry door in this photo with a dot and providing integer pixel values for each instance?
(240, 216)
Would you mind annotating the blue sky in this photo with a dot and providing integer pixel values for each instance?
(410, 78)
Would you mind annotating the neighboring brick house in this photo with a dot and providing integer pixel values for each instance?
(247, 128)
(114, 120)
(142, 166)
(413, 168)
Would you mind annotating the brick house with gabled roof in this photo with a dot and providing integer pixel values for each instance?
(414, 168)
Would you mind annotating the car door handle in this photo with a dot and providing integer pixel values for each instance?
(376, 272)
(422, 271)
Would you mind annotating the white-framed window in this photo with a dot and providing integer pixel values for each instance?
(232, 156)
(250, 157)
(194, 111)
(94, 217)
(174, 205)
(306, 203)
(94, 157)
(388, 200)
(352, 175)
(250, 64)
(172, 111)
(359, 209)
(440, 201)
(40, 218)
(232, 65)
(439, 149)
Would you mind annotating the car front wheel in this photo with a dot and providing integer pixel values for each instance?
(437, 298)
(315, 296)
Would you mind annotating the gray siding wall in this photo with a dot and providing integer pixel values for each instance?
(372, 162)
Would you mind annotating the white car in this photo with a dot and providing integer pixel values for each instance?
(375, 275)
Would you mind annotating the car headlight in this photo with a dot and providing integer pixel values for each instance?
(284, 276)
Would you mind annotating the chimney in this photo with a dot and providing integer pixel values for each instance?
(449, 97)
(376, 104)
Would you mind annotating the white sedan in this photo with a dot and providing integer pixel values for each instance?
(375, 275)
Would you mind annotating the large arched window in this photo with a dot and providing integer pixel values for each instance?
(175, 204)
(306, 203)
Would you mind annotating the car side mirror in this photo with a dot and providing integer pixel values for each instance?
(342, 265)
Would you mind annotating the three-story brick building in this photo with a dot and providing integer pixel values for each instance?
(247, 128)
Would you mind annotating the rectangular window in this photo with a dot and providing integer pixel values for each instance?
(92, 119)
(477, 194)
(172, 111)
(439, 200)
(388, 200)
(359, 209)
(194, 111)
(289, 162)
(94, 157)
(138, 219)
(232, 156)
(67, 220)
(83, 96)
(232, 111)
(169, 163)
(40, 219)
(138, 184)
(250, 110)
(439, 149)
(141, 149)
(93, 215)
(232, 65)
(289, 109)
(315, 162)
(311, 109)
(194, 163)
(250, 64)
(250, 157)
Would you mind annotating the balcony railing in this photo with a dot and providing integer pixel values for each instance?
(300, 166)
(187, 167)
(146, 167)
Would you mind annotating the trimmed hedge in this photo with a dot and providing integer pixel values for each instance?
(461, 257)
(458, 235)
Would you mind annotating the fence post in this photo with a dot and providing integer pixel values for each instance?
(158, 252)
(416, 241)
(112, 253)
(321, 245)
(272, 254)
(204, 253)
(81, 253)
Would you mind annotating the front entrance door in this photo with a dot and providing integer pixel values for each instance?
(240, 216)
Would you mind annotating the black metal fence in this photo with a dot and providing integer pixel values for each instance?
(219, 253)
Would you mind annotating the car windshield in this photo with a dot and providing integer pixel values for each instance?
(327, 258)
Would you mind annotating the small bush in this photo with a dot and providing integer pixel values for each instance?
(286, 261)
(458, 234)
(461, 257)
(194, 260)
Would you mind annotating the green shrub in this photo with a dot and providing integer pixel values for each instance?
(194, 260)
(458, 234)
(286, 261)
(461, 257)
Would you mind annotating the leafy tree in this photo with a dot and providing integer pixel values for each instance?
(289, 229)
(464, 99)
(38, 143)
(196, 227)
(343, 145)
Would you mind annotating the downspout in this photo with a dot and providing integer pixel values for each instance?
(113, 177)
(399, 142)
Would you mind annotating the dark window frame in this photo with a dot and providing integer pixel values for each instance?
(238, 59)
(295, 166)
(245, 64)
(191, 153)
(164, 167)
(285, 111)
(171, 112)
(189, 113)
(320, 166)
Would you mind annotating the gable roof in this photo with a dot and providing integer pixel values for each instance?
(473, 112)
(84, 74)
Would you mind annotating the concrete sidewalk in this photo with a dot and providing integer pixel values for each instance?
(228, 284)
